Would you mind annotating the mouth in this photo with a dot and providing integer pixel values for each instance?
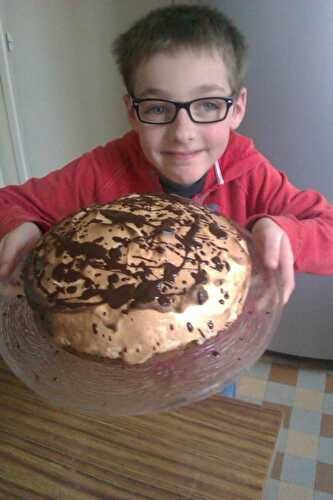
(183, 155)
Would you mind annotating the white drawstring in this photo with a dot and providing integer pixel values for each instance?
(218, 173)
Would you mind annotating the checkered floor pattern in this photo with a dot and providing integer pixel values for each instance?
(303, 390)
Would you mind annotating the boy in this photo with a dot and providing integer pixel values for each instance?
(183, 67)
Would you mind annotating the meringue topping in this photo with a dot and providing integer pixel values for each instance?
(146, 274)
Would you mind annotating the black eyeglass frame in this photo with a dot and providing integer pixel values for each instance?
(180, 105)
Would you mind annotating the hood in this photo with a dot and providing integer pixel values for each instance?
(239, 157)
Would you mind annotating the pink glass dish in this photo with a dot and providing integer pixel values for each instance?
(70, 382)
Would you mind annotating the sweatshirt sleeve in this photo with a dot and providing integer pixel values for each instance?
(305, 215)
(47, 200)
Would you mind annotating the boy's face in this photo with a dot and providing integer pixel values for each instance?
(183, 150)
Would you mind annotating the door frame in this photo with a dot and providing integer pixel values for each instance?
(14, 126)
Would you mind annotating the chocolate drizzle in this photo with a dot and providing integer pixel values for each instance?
(128, 254)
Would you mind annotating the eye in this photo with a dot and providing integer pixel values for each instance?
(157, 110)
(153, 109)
(210, 105)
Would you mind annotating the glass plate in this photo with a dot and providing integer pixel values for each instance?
(71, 382)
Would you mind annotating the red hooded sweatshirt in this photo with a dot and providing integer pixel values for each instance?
(242, 185)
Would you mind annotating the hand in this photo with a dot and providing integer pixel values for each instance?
(275, 247)
(15, 245)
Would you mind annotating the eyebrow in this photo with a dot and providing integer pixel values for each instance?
(163, 93)
(209, 88)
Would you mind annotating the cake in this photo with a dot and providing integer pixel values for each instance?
(144, 275)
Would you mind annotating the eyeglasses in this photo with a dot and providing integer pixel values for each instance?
(163, 111)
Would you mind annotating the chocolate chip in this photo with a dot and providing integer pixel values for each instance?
(210, 325)
(202, 296)
(164, 301)
(190, 327)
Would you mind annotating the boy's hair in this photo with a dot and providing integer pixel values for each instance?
(169, 29)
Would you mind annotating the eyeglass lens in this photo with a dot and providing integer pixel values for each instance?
(202, 110)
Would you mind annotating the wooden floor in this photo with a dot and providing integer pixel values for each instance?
(214, 449)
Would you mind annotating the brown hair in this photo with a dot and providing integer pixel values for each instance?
(168, 29)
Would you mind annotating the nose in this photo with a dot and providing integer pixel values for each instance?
(183, 128)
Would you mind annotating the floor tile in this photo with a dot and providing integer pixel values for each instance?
(302, 389)
(282, 440)
(301, 471)
(326, 426)
(279, 393)
(289, 491)
(329, 383)
(308, 399)
(260, 370)
(300, 444)
(325, 450)
(319, 495)
(272, 490)
(311, 379)
(328, 404)
(305, 421)
(253, 387)
(324, 478)
(283, 374)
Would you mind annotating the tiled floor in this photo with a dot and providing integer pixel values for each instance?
(303, 390)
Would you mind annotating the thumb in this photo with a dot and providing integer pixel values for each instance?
(15, 246)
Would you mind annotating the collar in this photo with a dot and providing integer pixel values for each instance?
(185, 191)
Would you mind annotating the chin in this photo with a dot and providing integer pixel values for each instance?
(184, 174)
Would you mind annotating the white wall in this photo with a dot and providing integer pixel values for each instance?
(290, 83)
(68, 91)
(7, 162)
(290, 80)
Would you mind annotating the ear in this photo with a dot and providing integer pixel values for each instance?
(130, 111)
(238, 109)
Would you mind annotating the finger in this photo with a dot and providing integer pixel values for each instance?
(5, 259)
(268, 240)
(287, 268)
(13, 249)
(8, 263)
